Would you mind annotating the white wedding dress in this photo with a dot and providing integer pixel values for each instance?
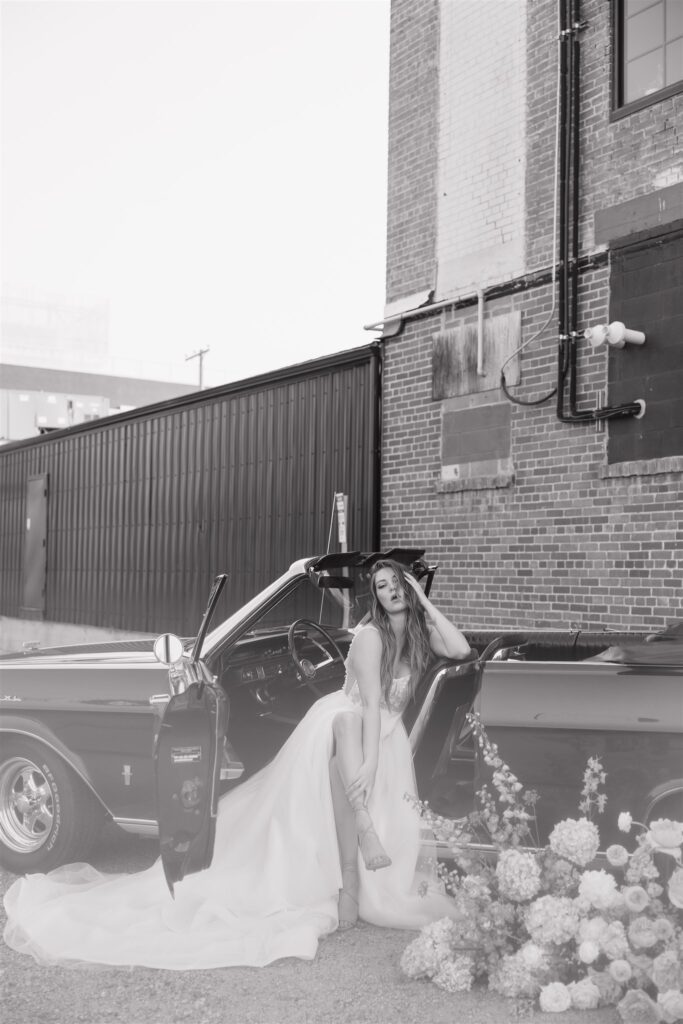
(272, 888)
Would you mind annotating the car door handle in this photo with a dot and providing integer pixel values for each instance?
(160, 698)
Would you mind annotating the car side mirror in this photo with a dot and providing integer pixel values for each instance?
(168, 649)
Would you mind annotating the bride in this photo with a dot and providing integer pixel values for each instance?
(321, 836)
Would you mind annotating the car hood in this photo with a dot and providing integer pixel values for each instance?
(107, 652)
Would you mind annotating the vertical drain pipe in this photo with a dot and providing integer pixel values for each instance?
(573, 131)
(570, 26)
(562, 282)
(481, 372)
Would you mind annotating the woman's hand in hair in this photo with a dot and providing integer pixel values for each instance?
(445, 639)
(414, 585)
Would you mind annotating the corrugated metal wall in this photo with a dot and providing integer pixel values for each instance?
(144, 508)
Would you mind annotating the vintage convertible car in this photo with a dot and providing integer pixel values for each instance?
(149, 733)
(560, 698)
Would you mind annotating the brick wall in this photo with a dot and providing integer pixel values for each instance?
(413, 140)
(569, 540)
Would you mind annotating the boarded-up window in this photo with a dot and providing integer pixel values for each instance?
(646, 294)
(455, 355)
(475, 442)
(475, 425)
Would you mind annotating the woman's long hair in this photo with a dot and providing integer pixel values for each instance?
(416, 651)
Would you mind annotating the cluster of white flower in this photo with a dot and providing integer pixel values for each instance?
(518, 874)
(584, 994)
(598, 889)
(547, 923)
(593, 777)
(455, 975)
(516, 819)
(576, 841)
(552, 920)
(433, 954)
(433, 947)
(514, 977)
(617, 855)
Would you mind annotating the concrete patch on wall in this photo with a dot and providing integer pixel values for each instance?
(475, 444)
(482, 122)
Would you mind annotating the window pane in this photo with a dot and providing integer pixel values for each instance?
(644, 76)
(674, 62)
(674, 18)
(645, 31)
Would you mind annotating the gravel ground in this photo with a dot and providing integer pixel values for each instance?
(355, 979)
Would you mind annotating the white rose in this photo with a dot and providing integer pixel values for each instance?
(675, 888)
(588, 951)
(620, 971)
(617, 855)
(532, 955)
(555, 998)
(666, 836)
(671, 1005)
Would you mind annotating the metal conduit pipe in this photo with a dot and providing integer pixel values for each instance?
(574, 134)
(480, 332)
(570, 26)
(562, 283)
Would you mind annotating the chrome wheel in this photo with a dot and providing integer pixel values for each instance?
(27, 806)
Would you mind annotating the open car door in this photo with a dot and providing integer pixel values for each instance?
(188, 755)
(187, 763)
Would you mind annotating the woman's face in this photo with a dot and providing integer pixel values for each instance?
(389, 592)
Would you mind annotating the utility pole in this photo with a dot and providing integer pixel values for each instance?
(199, 354)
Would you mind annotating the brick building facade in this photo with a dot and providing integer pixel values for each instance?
(501, 254)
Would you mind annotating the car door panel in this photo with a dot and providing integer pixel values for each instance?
(187, 757)
(549, 718)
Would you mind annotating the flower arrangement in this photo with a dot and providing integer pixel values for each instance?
(547, 925)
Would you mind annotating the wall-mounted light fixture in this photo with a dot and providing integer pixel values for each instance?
(615, 334)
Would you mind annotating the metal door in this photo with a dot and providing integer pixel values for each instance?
(35, 548)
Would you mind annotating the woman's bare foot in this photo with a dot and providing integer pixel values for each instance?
(373, 853)
(348, 897)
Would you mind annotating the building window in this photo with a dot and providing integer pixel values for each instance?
(648, 51)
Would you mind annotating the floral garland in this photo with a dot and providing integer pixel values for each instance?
(545, 924)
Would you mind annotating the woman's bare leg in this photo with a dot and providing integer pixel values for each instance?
(348, 736)
(347, 840)
(344, 818)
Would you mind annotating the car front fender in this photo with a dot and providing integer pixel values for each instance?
(24, 725)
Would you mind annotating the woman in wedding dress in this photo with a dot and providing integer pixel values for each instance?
(322, 835)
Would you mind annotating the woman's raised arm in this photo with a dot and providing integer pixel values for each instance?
(445, 639)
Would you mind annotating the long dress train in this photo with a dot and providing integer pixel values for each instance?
(272, 888)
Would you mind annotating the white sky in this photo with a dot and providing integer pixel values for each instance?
(215, 170)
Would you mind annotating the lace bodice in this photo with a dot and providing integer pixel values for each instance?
(399, 694)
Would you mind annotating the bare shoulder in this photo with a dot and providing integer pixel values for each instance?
(367, 643)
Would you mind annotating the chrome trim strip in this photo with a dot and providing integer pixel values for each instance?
(138, 826)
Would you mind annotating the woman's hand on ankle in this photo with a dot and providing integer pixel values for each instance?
(361, 787)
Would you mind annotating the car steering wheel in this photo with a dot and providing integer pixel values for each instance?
(305, 667)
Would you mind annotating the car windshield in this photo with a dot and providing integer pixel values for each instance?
(332, 589)
(333, 599)
(338, 598)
